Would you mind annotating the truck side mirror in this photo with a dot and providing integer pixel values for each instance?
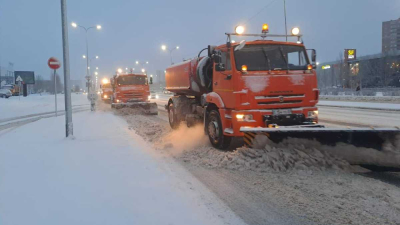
(314, 56)
(210, 50)
(219, 67)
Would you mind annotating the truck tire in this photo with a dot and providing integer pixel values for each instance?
(173, 117)
(215, 132)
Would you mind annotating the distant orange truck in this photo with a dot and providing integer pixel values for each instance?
(132, 90)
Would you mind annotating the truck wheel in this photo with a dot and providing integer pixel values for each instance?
(215, 132)
(172, 117)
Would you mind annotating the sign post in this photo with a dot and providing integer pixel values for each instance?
(54, 64)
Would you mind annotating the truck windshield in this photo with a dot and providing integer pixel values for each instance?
(106, 85)
(271, 57)
(132, 80)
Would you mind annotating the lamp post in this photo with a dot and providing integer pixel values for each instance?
(86, 29)
(165, 48)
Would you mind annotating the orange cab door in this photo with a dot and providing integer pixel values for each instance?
(223, 81)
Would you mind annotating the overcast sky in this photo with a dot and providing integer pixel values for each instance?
(30, 30)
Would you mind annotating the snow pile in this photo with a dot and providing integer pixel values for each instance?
(286, 156)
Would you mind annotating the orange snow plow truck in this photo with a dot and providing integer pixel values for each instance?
(260, 87)
(132, 90)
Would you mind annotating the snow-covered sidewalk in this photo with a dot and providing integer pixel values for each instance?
(361, 105)
(106, 175)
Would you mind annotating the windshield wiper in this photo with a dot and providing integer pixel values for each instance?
(283, 56)
(267, 58)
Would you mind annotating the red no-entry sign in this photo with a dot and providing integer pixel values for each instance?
(53, 63)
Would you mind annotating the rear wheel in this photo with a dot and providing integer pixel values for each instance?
(172, 117)
(215, 132)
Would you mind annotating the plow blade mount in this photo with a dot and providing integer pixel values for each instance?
(147, 107)
(368, 143)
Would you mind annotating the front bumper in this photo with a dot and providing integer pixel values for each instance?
(266, 118)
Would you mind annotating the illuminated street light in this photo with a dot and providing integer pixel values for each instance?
(143, 70)
(96, 73)
(97, 56)
(84, 56)
(98, 27)
(164, 48)
(97, 68)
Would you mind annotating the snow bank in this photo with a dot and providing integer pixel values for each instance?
(361, 105)
(105, 175)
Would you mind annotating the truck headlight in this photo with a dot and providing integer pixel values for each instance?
(118, 100)
(244, 118)
(313, 114)
(105, 96)
(157, 97)
(149, 97)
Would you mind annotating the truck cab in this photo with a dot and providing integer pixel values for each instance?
(264, 83)
(129, 88)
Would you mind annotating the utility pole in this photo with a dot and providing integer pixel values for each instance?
(67, 85)
(284, 8)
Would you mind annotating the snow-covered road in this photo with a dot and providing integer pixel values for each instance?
(106, 175)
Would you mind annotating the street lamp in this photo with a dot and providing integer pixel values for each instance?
(164, 48)
(86, 29)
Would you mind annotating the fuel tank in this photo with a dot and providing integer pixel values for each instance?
(191, 77)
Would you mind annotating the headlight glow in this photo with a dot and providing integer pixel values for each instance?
(105, 96)
(313, 114)
(157, 96)
(244, 118)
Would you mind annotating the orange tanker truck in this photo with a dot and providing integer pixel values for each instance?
(257, 87)
(132, 90)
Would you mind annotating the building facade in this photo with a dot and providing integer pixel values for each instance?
(371, 71)
(391, 36)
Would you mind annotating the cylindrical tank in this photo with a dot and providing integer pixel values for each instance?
(192, 77)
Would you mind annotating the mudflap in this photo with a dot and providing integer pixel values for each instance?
(369, 143)
(149, 108)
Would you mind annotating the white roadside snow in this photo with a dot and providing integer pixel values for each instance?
(20, 106)
(105, 175)
(362, 105)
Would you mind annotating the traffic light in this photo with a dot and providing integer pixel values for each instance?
(151, 80)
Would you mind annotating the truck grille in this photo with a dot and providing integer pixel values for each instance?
(133, 95)
(280, 99)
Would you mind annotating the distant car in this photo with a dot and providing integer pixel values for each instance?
(153, 95)
(5, 93)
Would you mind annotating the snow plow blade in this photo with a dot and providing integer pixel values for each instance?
(147, 107)
(367, 143)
